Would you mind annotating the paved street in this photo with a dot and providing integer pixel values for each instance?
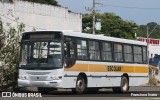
(108, 93)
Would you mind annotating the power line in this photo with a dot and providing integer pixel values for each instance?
(129, 7)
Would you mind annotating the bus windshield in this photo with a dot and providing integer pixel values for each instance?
(40, 54)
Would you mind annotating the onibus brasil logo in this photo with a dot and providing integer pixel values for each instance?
(13, 94)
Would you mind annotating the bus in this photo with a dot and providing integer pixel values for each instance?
(51, 60)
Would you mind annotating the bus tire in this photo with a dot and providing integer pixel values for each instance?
(124, 84)
(124, 87)
(80, 85)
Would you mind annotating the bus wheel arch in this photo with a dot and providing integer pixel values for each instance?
(81, 84)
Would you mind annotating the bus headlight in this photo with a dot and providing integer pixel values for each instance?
(22, 77)
(56, 77)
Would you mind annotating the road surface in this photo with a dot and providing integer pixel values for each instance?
(140, 93)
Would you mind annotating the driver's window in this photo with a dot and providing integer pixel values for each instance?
(54, 48)
(54, 56)
(43, 50)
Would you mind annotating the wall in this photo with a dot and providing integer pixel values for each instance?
(154, 49)
(40, 16)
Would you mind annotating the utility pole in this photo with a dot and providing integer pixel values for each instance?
(93, 11)
(94, 18)
(148, 34)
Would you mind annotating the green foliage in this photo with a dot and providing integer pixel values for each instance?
(9, 53)
(142, 31)
(49, 2)
(112, 25)
(1, 34)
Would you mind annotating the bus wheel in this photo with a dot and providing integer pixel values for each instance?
(124, 86)
(80, 85)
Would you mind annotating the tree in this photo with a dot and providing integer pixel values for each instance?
(142, 31)
(9, 53)
(49, 2)
(112, 25)
(1, 34)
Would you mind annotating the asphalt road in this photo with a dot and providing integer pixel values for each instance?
(133, 92)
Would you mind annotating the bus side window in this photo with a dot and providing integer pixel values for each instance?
(69, 49)
(94, 50)
(72, 49)
(65, 49)
(82, 49)
(137, 54)
(118, 54)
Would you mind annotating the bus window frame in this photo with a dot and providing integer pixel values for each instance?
(138, 54)
(100, 42)
(128, 53)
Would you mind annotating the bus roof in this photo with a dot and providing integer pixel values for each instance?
(101, 37)
(96, 37)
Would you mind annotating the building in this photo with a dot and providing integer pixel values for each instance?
(37, 16)
(153, 44)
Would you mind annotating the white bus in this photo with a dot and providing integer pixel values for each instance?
(82, 62)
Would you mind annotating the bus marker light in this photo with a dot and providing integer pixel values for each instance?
(56, 77)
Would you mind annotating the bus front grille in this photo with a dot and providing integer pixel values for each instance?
(38, 78)
(38, 73)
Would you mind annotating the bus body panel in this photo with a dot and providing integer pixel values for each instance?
(99, 76)
(40, 78)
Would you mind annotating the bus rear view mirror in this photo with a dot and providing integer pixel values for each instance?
(69, 62)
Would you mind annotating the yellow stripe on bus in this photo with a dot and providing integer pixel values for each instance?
(97, 68)
(128, 69)
(78, 67)
(141, 69)
(104, 68)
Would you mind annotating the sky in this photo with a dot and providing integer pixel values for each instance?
(138, 11)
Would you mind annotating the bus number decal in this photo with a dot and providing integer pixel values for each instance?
(114, 68)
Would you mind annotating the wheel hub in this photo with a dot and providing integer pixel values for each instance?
(80, 84)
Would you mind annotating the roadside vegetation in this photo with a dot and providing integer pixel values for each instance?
(9, 55)
(114, 26)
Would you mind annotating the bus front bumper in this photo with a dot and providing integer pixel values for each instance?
(27, 83)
